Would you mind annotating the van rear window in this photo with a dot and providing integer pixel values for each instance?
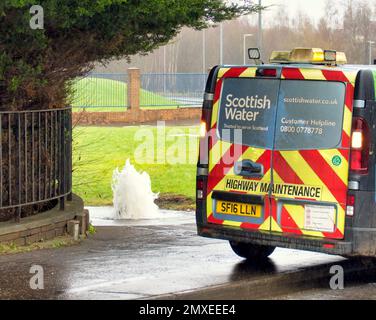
(247, 111)
(287, 114)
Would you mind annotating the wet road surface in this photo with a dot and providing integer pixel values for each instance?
(148, 259)
(352, 292)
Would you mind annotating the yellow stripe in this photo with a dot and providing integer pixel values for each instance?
(297, 214)
(351, 76)
(215, 113)
(249, 73)
(274, 225)
(347, 121)
(217, 152)
(306, 174)
(233, 223)
(341, 220)
(312, 74)
(252, 154)
(209, 209)
(222, 71)
(341, 170)
(265, 225)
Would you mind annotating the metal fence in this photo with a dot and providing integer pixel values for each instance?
(172, 90)
(108, 91)
(100, 91)
(35, 159)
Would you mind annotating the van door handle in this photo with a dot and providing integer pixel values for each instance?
(248, 168)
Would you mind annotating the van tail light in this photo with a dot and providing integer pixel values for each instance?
(350, 205)
(205, 126)
(205, 122)
(360, 142)
(201, 187)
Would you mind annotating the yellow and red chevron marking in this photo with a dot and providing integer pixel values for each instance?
(220, 169)
(311, 167)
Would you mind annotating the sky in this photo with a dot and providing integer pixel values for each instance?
(314, 8)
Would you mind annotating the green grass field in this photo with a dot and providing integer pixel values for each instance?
(97, 151)
(100, 95)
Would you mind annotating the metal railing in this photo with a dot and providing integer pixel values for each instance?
(172, 90)
(101, 91)
(108, 91)
(35, 159)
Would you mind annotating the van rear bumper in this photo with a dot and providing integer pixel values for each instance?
(328, 246)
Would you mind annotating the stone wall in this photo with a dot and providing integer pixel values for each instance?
(44, 226)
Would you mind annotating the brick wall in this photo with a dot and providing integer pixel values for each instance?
(138, 116)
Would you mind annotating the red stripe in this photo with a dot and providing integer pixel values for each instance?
(265, 160)
(305, 199)
(266, 207)
(211, 219)
(213, 136)
(217, 93)
(345, 140)
(288, 224)
(234, 72)
(349, 96)
(326, 174)
(340, 76)
(334, 75)
(337, 234)
(222, 168)
(345, 153)
(288, 175)
(284, 170)
(231, 73)
(247, 225)
(273, 206)
(292, 73)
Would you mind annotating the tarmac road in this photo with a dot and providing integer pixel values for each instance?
(162, 258)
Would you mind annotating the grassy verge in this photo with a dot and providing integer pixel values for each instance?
(105, 95)
(98, 151)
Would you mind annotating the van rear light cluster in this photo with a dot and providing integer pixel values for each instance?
(360, 142)
(205, 139)
(350, 205)
(201, 187)
(205, 122)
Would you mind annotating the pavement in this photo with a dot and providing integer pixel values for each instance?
(163, 258)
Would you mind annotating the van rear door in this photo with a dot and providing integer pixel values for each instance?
(311, 153)
(279, 150)
(243, 120)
